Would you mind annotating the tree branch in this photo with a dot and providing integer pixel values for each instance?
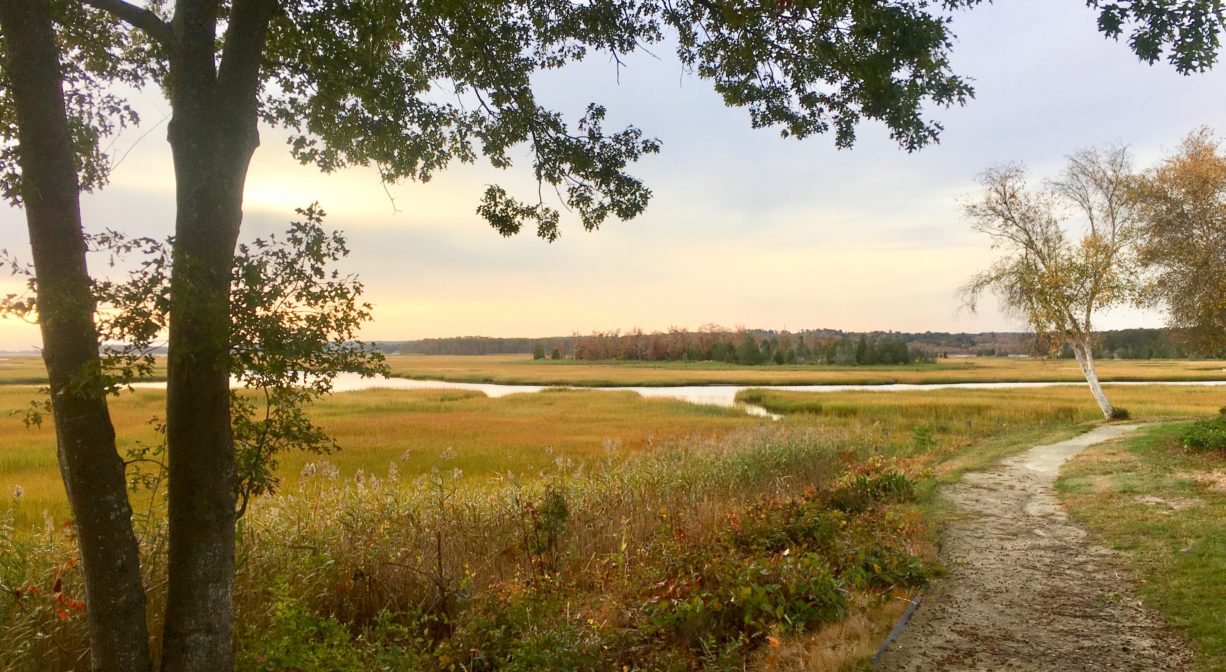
(138, 17)
(238, 75)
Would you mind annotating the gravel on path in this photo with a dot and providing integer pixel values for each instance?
(1028, 590)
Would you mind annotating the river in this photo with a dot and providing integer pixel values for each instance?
(719, 395)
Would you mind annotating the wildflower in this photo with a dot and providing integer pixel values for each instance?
(448, 454)
(404, 457)
(308, 470)
(18, 493)
(456, 474)
(393, 474)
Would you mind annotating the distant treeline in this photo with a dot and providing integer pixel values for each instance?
(762, 346)
(741, 347)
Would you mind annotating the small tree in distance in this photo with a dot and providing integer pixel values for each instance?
(1055, 283)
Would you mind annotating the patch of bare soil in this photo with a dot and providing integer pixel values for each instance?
(1026, 589)
(1214, 481)
(1169, 505)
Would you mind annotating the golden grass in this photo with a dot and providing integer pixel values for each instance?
(22, 369)
(29, 370)
(522, 433)
(526, 433)
(522, 369)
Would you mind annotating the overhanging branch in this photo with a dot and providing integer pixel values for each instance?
(138, 17)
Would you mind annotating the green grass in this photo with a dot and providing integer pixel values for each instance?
(1164, 508)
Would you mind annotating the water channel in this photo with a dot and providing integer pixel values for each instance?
(718, 395)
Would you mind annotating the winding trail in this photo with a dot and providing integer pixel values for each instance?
(1026, 589)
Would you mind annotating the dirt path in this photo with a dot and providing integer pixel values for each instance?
(1026, 590)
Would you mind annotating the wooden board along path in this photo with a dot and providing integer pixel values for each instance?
(1026, 589)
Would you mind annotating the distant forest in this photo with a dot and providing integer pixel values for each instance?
(762, 346)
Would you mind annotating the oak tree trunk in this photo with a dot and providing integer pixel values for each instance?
(92, 470)
(1085, 359)
(213, 134)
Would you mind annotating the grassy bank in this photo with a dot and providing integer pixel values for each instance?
(526, 433)
(30, 370)
(949, 424)
(523, 370)
(1164, 508)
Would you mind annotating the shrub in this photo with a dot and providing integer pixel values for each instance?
(1120, 414)
(869, 484)
(1206, 435)
(297, 638)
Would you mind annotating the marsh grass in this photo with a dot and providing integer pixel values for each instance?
(523, 370)
(29, 370)
(519, 434)
(1164, 508)
(614, 561)
(946, 429)
(568, 529)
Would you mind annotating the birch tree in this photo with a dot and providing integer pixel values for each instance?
(1057, 281)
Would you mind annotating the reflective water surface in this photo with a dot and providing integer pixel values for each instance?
(718, 395)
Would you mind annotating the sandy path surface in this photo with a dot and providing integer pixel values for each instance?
(1026, 589)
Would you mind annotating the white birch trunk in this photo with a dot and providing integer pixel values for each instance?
(1085, 359)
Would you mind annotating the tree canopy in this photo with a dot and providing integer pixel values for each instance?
(1183, 210)
(1055, 282)
(410, 87)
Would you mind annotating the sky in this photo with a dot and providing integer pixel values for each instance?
(745, 227)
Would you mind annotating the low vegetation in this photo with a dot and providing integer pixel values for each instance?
(1206, 435)
(1162, 504)
(456, 531)
(486, 437)
(695, 553)
(523, 370)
